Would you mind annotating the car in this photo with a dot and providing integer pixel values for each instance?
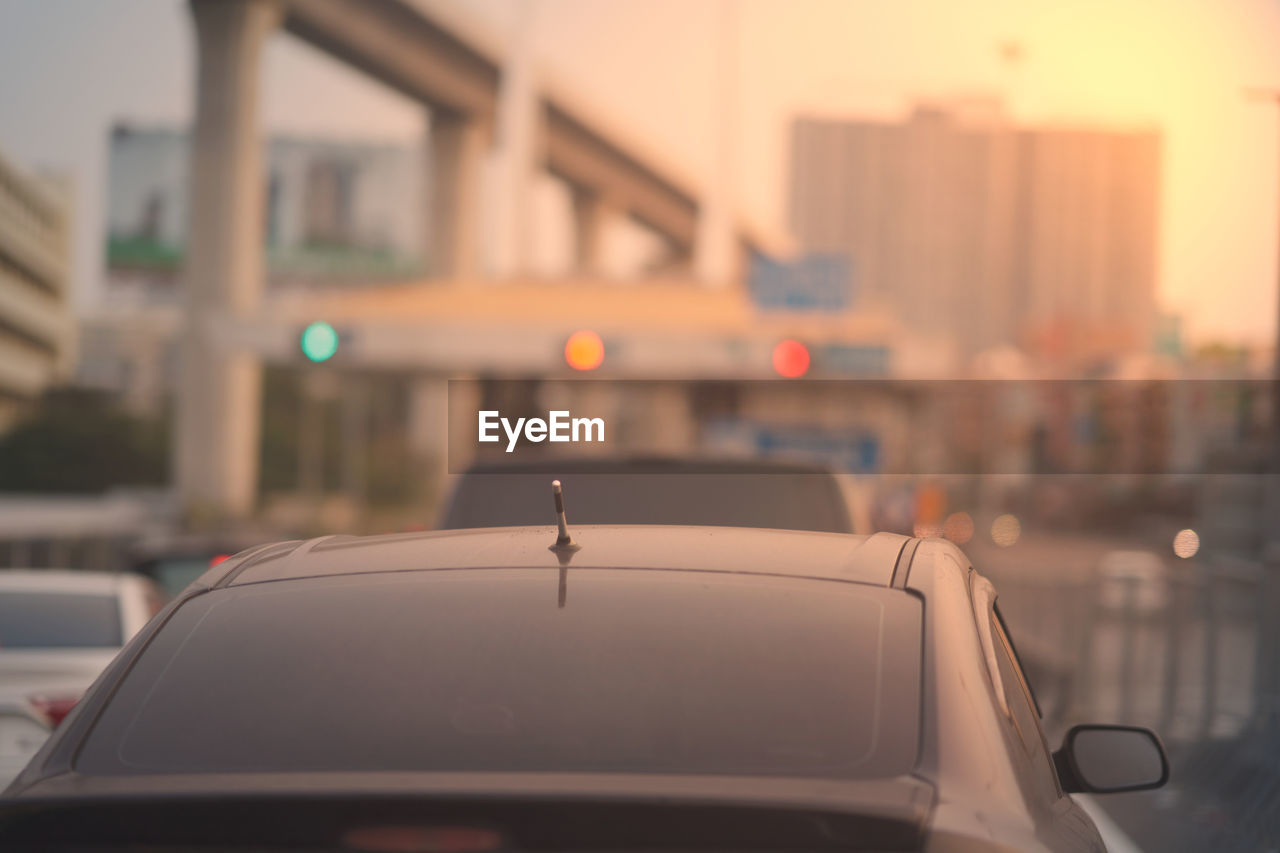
(661, 490)
(58, 631)
(24, 725)
(174, 560)
(595, 687)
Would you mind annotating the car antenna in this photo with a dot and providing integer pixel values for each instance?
(565, 546)
(564, 542)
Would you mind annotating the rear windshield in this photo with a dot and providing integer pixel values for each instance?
(58, 620)
(783, 500)
(483, 670)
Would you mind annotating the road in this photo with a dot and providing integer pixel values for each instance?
(1185, 667)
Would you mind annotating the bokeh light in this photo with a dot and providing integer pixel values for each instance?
(1005, 530)
(791, 359)
(1186, 543)
(319, 341)
(584, 350)
(958, 527)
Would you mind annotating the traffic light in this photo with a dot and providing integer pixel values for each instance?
(791, 359)
(584, 350)
(319, 341)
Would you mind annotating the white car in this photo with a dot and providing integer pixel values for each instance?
(58, 631)
(23, 730)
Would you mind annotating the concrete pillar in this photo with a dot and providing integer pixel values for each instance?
(713, 256)
(590, 213)
(455, 154)
(516, 155)
(714, 253)
(219, 399)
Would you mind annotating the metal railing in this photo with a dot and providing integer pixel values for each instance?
(1190, 652)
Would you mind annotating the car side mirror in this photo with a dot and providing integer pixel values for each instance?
(1110, 759)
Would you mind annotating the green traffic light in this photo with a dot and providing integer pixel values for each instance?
(319, 341)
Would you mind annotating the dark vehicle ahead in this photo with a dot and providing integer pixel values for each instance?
(640, 688)
(174, 561)
(646, 490)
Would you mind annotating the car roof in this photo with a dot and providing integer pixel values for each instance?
(60, 580)
(835, 556)
(648, 465)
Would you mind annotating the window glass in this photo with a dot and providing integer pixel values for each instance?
(482, 670)
(53, 620)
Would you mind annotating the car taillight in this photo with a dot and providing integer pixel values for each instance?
(54, 709)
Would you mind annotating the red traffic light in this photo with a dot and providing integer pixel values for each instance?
(791, 359)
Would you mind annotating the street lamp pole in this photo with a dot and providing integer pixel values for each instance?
(1272, 96)
(1267, 681)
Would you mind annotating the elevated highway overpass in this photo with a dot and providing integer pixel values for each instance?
(471, 95)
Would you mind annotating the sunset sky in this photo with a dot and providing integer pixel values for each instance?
(646, 68)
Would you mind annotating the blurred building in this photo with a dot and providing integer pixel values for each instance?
(967, 226)
(132, 354)
(36, 328)
(336, 212)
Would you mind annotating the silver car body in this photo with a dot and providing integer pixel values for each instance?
(29, 674)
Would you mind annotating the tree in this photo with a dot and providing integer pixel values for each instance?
(78, 440)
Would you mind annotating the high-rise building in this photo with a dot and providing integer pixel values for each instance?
(36, 327)
(964, 225)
